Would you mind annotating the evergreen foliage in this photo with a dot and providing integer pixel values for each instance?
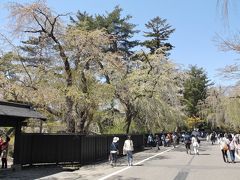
(87, 77)
(159, 33)
(195, 90)
(119, 28)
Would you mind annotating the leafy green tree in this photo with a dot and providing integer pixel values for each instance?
(120, 29)
(139, 78)
(152, 101)
(195, 90)
(159, 33)
(231, 104)
(83, 72)
(121, 32)
(63, 61)
(213, 109)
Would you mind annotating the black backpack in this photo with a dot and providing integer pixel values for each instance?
(187, 140)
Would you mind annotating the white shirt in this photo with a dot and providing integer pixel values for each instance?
(128, 145)
(232, 145)
(223, 142)
(194, 141)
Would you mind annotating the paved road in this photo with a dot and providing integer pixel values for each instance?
(167, 164)
(177, 165)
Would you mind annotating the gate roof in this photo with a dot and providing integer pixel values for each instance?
(11, 113)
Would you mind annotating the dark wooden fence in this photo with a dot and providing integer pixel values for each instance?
(69, 148)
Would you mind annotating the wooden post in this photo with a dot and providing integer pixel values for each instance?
(17, 144)
(40, 128)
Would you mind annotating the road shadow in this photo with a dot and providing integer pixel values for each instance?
(204, 154)
(236, 162)
(138, 165)
(124, 178)
(125, 165)
(200, 154)
(159, 158)
(32, 173)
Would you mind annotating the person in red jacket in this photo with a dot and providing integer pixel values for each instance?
(4, 148)
(1, 142)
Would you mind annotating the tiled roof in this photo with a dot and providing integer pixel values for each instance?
(19, 110)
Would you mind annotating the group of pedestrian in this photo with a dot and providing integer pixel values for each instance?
(127, 150)
(162, 139)
(229, 145)
(191, 140)
(4, 150)
(166, 139)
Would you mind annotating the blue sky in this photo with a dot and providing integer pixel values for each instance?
(197, 23)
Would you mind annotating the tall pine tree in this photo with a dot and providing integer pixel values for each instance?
(115, 25)
(159, 32)
(195, 90)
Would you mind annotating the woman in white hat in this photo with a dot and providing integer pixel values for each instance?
(114, 151)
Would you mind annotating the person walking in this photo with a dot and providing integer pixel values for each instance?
(1, 143)
(208, 137)
(157, 140)
(237, 145)
(224, 147)
(114, 151)
(187, 142)
(128, 149)
(175, 138)
(150, 140)
(163, 139)
(168, 139)
(213, 137)
(232, 148)
(195, 145)
(5, 152)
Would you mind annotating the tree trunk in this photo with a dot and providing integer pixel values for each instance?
(129, 120)
(82, 119)
(129, 117)
(69, 115)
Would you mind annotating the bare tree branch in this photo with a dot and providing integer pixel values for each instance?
(147, 59)
(20, 58)
(37, 31)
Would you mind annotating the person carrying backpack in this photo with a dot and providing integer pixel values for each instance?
(187, 142)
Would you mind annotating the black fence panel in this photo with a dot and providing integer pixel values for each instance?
(88, 149)
(44, 149)
(101, 148)
(69, 148)
(26, 150)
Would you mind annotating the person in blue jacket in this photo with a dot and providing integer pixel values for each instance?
(114, 151)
